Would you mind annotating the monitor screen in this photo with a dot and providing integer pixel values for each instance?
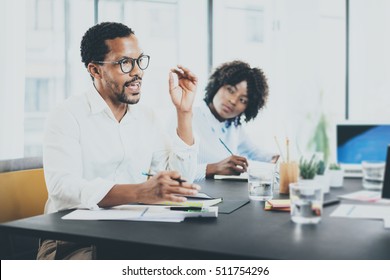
(359, 142)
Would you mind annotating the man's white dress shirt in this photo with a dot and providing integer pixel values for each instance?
(86, 151)
(208, 131)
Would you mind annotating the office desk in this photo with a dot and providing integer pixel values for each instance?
(247, 233)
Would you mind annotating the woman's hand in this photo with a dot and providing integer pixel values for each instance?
(233, 165)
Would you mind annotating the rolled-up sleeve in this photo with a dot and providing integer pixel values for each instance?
(184, 158)
(175, 154)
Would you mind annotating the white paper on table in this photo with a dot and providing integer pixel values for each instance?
(386, 222)
(156, 213)
(363, 212)
(126, 212)
(242, 176)
(363, 195)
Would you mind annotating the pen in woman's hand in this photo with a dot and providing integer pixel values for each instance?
(227, 148)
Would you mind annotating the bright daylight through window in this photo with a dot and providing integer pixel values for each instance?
(300, 44)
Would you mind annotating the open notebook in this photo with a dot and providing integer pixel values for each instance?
(241, 177)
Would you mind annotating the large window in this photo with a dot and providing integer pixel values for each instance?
(169, 36)
(301, 47)
(53, 65)
(53, 68)
(300, 44)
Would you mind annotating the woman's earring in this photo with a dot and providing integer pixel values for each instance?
(237, 120)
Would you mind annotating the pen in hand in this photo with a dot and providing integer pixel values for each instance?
(227, 148)
(175, 179)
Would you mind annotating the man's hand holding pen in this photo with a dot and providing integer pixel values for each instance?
(166, 186)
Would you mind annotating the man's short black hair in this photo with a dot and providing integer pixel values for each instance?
(232, 73)
(93, 46)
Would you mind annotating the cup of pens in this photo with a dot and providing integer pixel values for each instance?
(288, 173)
(288, 170)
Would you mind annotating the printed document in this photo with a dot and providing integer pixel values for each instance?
(361, 211)
(142, 213)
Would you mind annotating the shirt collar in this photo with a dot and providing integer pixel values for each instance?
(96, 102)
(214, 122)
(98, 105)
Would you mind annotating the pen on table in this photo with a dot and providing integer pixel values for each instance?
(190, 209)
(227, 148)
(176, 179)
(330, 202)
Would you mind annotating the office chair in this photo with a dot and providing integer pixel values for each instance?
(23, 194)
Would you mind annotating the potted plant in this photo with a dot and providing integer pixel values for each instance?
(336, 175)
(308, 186)
(323, 177)
(307, 168)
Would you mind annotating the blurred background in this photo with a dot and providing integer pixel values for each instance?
(327, 61)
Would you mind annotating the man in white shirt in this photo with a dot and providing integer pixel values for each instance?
(99, 145)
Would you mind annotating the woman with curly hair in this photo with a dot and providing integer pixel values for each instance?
(235, 93)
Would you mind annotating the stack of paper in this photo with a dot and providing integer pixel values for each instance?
(241, 177)
(363, 195)
(364, 212)
(167, 211)
(152, 213)
(277, 205)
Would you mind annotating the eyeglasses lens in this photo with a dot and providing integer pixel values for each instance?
(143, 62)
(127, 64)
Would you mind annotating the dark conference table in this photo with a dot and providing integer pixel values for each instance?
(250, 232)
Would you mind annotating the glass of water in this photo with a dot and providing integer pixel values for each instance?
(261, 182)
(306, 202)
(373, 175)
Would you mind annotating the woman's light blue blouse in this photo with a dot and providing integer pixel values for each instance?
(209, 130)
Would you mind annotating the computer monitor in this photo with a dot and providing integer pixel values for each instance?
(386, 182)
(358, 142)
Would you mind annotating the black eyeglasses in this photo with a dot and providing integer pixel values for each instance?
(127, 64)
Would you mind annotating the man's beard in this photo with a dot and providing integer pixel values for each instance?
(122, 97)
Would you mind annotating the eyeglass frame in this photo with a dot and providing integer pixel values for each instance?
(120, 61)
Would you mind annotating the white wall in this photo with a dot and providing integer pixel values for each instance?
(303, 56)
(12, 77)
(370, 60)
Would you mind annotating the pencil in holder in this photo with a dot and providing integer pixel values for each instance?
(288, 173)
